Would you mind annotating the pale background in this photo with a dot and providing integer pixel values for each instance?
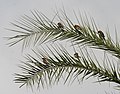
(105, 12)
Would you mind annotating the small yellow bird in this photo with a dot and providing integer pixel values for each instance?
(101, 34)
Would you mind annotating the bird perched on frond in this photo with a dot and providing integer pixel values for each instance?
(60, 26)
(45, 60)
(101, 34)
(77, 29)
(76, 55)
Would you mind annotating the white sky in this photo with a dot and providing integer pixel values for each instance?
(105, 12)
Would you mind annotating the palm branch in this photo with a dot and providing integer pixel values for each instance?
(63, 66)
(40, 29)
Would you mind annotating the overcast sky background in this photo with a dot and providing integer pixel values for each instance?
(105, 12)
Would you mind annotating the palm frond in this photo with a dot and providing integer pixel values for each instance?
(62, 66)
(36, 29)
(40, 29)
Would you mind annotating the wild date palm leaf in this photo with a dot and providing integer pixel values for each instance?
(62, 66)
(53, 64)
(40, 29)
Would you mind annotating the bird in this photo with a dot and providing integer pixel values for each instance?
(76, 55)
(101, 34)
(60, 26)
(45, 60)
(77, 29)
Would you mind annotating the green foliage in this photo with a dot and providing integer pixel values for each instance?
(63, 66)
(60, 64)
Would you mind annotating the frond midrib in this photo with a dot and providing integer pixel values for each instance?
(98, 71)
